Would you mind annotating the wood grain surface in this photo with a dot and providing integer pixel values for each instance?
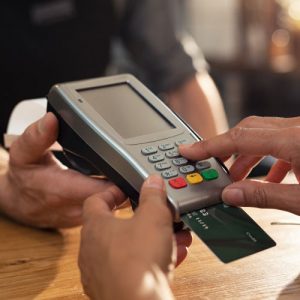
(39, 264)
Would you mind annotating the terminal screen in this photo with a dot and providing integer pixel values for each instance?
(125, 110)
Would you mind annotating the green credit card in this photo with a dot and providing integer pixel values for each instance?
(228, 231)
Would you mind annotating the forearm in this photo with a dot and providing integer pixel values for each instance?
(198, 102)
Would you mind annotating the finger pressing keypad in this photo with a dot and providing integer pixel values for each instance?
(167, 160)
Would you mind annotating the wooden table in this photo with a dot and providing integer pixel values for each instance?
(36, 264)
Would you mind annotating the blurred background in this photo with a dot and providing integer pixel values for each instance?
(253, 49)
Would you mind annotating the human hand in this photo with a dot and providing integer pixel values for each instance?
(132, 258)
(251, 139)
(37, 190)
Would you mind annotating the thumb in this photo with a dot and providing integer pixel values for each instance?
(153, 202)
(263, 194)
(35, 140)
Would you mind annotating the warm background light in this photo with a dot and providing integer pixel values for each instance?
(294, 10)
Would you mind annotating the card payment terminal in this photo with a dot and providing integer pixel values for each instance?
(117, 127)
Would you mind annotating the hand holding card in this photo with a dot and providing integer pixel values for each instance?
(251, 140)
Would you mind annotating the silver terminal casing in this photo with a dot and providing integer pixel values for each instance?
(124, 155)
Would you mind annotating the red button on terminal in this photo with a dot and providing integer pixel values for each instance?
(177, 183)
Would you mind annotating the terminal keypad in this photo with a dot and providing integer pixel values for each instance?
(179, 171)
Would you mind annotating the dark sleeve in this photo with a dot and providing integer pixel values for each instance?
(149, 33)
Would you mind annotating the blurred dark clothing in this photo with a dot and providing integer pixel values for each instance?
(49, 41)
(151, 32)
(41, 46)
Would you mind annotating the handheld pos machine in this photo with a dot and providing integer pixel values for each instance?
(115, 126)
(118, 127)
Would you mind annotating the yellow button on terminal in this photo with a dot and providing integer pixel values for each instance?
(194, 178)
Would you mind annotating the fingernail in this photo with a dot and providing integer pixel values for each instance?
(41, 124)
(74, 212)
(233, 196)
(155, 182)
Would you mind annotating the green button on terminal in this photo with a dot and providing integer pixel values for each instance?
(210, 174)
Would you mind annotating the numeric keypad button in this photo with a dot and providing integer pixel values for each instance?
(202, 165)
(149, 150)
(169, 174)
(187, 169)
(172, 154)
(165, 147)
(156, 158)
(180, 161)
(162, 166)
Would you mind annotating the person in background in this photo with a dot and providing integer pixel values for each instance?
(54, 41)
(143, 270)
(47, 42)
